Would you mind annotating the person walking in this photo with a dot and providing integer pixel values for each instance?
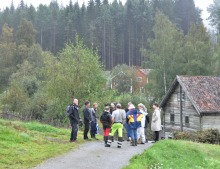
(94, 117)
(141, 130)
(87, 119)
(74, 120)
(118, 118)
(106, 120)
(134, 120)
(156, 121)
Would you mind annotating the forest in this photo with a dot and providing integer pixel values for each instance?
(51, 52)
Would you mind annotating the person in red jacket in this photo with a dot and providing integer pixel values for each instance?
(106, 121)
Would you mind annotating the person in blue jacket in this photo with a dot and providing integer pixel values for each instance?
(134, 121)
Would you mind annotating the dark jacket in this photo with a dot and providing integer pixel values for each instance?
(134, 119)
(74, 114)
(87, 115)
(147, 121)
(106, 120)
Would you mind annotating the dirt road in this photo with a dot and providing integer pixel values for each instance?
(93, 155)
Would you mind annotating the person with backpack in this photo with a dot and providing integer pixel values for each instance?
(134, 120)
(106, 120)
(87, 119)
(94, 117)
(73, 114)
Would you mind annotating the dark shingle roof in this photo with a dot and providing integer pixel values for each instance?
(203, 92)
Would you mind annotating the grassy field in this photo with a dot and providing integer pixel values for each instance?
(24, 145)
(171, 154)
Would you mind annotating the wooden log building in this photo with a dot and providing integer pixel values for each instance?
(192, 103)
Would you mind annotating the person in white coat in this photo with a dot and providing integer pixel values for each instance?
(156, 121)
(141, 130)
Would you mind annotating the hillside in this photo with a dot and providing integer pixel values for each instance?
(171, 154)
(25, 145)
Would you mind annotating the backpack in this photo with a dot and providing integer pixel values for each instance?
(106, 119)
(68, 110)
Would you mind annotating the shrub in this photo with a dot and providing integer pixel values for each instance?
(211, 136)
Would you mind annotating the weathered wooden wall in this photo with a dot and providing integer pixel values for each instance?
(173, 107)
(212, 121)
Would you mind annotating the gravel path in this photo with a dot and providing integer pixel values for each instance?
(93, 155)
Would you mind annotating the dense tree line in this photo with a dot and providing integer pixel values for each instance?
(117, 31)
(51, 53)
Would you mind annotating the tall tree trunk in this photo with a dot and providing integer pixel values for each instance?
(104, 46)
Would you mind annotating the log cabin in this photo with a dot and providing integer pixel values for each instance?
(191, 104)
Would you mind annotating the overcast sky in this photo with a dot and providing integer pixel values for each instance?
(202, 4)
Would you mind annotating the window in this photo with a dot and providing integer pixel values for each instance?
(178, 96)
(139, 79)
(172, 118)
(186, 120)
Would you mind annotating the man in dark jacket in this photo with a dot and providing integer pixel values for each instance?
(74, 120)
(87, 119)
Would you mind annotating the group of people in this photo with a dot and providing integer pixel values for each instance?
(89, 118)
(114, 120)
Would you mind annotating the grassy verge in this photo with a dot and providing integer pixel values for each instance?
(171, 154)
(24, 145)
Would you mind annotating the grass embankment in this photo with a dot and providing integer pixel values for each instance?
(24, 145)
(171, 154)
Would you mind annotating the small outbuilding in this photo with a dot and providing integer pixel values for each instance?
(192, 103)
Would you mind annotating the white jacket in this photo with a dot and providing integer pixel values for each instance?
(156, 120)
(144, 118)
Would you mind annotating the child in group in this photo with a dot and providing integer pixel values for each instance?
(106, 121)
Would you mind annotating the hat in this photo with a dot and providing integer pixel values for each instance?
(142, 106)
(129, 103)
(131, 106)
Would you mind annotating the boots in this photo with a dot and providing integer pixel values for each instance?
(105, 139)
(135, 142)
(120, 139)
(132, 142)
(109, 141)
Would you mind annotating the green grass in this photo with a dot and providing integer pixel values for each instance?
(24, 145)
(171, 154)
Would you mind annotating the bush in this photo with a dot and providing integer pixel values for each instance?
(211, 136)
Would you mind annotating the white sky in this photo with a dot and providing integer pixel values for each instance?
(202, 4)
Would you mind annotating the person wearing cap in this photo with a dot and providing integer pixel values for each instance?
(141, 130)
(134, 120)
(118, 118)
(106, 120)
(87, 119)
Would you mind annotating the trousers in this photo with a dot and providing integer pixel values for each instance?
(141, 134)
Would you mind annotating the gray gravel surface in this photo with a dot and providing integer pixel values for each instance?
(93, 155)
